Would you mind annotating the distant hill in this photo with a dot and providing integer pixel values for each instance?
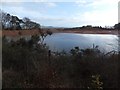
(51, 27)
(47, 27)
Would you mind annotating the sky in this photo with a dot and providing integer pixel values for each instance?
(65, 13)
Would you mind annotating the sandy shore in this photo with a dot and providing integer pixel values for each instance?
(33, 32)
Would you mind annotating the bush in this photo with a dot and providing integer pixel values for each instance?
(26, 65)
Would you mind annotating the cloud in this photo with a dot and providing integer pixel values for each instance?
(96, 3)
(96, 18)
(106, 17)
(11, 4)
(82, 2)
(38, 0)
(5, 1)
(29, 10)
(107, 3)
(51, 4)
(102, 12)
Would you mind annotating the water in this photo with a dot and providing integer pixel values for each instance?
(67, 41)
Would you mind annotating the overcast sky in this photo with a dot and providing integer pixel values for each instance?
(65, 13)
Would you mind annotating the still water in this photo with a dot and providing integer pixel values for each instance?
(67, 41)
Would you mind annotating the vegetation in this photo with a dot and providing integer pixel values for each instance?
(117, 26)
(29, 64)
(90, 27)
(10, 22)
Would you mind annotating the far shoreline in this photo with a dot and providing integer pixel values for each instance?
(15, 33)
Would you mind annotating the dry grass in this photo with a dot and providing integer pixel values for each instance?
(29, 67)
(33, 32)
(19, 32)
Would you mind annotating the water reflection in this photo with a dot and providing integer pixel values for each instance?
(66, 41)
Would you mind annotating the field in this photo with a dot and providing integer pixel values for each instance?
(33, 32)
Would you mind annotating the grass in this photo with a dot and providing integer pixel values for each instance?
(27, 64)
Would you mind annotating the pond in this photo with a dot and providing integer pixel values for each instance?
(67, 41)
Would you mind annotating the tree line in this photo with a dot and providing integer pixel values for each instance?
(11, 22)
(117, 26)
